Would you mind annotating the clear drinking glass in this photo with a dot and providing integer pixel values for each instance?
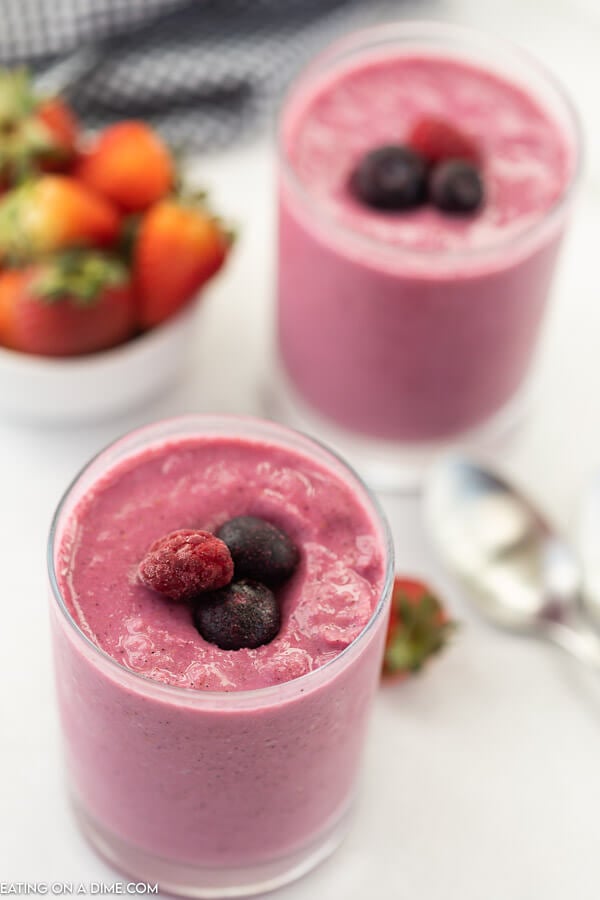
(388, 353)
(213, 794)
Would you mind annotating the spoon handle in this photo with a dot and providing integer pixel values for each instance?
(580, 642)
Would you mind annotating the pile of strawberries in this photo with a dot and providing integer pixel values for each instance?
(98, 242)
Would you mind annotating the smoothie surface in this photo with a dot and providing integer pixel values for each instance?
(330, 125)
(200, 483)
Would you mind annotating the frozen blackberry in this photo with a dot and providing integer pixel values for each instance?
(391, 178)
(243, 614)
(456, 187)
(259, 549)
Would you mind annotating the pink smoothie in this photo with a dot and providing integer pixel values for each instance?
(184, 764)
(414, 325)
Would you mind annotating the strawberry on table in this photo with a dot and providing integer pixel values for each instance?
(80, 301)
(436, 140)
(35, 133)
(129, 164)
(418, 628)
(179, 246)
(52, 213)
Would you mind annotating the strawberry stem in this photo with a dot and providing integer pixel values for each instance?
(79, 275)
(420, 630)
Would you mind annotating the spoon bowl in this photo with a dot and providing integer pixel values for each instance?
(520, 573)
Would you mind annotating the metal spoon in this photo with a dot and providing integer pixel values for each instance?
(522, 575)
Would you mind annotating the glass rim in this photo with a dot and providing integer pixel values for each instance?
(423, 29)
(187, 696)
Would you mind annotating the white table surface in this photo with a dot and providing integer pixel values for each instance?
(482, 779)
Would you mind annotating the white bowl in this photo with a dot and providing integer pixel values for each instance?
(96, 386)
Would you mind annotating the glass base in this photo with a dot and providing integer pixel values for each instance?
(197, 881)
(391, 466)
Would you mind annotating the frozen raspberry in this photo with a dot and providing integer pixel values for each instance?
(436, 140)
(185, 563)
(456, 187)
(243, 614)
(259, 549)
(391, 178)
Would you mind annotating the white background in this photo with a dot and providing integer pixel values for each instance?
(482, 779)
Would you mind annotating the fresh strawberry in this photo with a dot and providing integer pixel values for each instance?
(179, 247)
(129, 164)
(35, 133)
(60, 121)
(11, 281)
(436, 140)
(78, 302)
(53, 213)
(418, 627)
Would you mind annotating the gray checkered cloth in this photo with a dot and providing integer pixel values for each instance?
(204, 72)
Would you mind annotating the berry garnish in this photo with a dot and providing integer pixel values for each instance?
(418, 628)
(259, 549)
(243, 614)
(391, 178)
(456, 187)
(185, 563)
(436, 140)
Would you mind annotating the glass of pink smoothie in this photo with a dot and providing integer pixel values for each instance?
(215, 772)
(400, 332)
